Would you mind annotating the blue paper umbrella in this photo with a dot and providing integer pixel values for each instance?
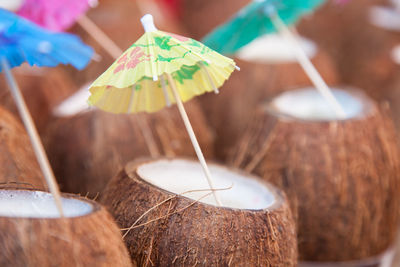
(22, 41)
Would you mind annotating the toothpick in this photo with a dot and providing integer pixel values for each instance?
(34, 136)
(100, 37)
(193, 138)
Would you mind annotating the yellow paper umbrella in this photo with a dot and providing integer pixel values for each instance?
(160, 69)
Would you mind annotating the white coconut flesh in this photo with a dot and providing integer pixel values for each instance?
(396, 54)
(308, 104)
(36, 204)
(11, 5)
(183, 176)
(384, 17)
(274, 49)
(77, 103)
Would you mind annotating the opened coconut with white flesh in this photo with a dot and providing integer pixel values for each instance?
(170, 218)
(87, 147)
(341, 176)
(33, 234)
(18, 165)
(268, 67)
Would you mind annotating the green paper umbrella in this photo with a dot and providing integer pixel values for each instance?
(254, 20)
(267, 16)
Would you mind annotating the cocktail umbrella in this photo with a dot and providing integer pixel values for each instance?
(59, 15)
(22, 41)
(159, 69)
(266, 16)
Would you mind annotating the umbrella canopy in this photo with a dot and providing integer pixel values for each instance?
(22, 41)
(56, 15)
(254, 20)
(159, 69)
(137, 81)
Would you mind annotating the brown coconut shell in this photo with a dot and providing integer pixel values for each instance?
(89, 148)
(18, 165)
(341, 177)
(231, 110)
(88, 240)
(197, 233)
(42, 91)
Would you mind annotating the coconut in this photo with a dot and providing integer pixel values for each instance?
(359, 48)
(87, 147)
(42, 88)
(268, 67)
(33, 234)
(18, 165)
(341, 176)
(173, 218)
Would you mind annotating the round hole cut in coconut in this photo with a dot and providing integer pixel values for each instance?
(33, 234)
(87, 147)
(273, 71)
(341, 176)
(176, 223)
(18, 165)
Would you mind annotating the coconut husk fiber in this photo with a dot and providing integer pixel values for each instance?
(198, 234)
(341, 178)
(42, 88)
(89, 240)
(361, 50)
(87, 149)
(230, 111)
(18, 165)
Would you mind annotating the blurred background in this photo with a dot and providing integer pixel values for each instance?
(357, 44)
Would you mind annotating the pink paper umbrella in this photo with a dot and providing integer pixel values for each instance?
(56, 15)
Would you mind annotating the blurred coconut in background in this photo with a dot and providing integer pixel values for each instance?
(355, 36)
(268, 67)
(341, 176)
(18, 165)
(96, 144)
(43, 89)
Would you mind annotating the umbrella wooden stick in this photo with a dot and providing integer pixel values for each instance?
(193, 138)
(307, 66)
(115, 51)
(34, 136)
(101, 38)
